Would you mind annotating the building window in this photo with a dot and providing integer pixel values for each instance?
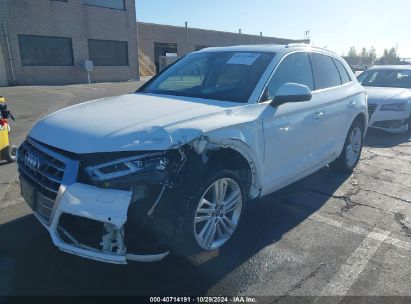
(114, 4)
(45, 51)
(108, 52)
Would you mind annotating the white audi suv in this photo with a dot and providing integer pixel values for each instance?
(172, 166)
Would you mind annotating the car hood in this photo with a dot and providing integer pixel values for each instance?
(379, 96)
(132, 122)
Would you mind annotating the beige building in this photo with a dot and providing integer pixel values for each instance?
(156, 40)
(48, 41)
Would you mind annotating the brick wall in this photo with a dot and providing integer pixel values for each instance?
(80, 22)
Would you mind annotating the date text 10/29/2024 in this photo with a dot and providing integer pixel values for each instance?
(220, 299)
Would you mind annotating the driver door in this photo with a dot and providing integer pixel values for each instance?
(289, 129)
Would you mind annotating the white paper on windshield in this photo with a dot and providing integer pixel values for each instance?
(243, 58)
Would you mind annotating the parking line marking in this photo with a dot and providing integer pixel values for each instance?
(12, 203)
(8, 187)
(353, 267)
(358, 230)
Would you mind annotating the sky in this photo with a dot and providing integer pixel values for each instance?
(337, 25)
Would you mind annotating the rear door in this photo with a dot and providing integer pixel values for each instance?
(332, 95)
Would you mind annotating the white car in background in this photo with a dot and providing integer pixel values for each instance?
(389, 97)
(173, 165)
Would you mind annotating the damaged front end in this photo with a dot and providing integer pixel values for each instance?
(122, 206)
(99, 206)
(94, 223)
(128, 191)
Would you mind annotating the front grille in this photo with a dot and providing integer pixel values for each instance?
(46, 175)
(371, 109)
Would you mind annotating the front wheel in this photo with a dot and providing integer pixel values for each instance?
(213, 214)
(351, 153)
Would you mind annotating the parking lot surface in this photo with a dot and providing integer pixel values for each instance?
(329, 234)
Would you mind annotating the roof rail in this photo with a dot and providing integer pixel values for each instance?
(306, 45)
(297, 44)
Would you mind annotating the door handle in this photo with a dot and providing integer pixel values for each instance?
(318, 115)
(352, 104)
(284, 128)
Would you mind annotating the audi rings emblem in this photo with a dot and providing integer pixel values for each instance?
(32, 161)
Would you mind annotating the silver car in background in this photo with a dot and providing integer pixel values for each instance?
(389, 97)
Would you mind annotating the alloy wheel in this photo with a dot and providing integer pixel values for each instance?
(354, 147)
(218, 213)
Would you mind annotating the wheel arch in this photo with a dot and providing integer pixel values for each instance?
(362, 118)
(233, 154)
(229, 158)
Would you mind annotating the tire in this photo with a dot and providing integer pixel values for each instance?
(10, 153)
(205, 227)
(351, 152)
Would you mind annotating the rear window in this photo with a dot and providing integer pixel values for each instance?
(345, 77)
(326, 73)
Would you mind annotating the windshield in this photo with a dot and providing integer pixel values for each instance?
(228, 76)
(386, 78)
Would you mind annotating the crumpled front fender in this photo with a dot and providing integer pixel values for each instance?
(243, 139)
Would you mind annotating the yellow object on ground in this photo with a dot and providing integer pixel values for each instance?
(7, 152)
(4, 131)
(4, 137)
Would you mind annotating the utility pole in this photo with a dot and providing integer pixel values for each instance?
(10, 58)
(187, 50)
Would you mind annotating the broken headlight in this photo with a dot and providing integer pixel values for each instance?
(126, 166)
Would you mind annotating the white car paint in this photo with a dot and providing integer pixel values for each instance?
(103, 205)
(282, 145)
(382, 96)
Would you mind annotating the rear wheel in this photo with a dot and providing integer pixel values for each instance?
(352, 149)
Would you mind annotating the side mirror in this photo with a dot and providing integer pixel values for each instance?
(291, 92)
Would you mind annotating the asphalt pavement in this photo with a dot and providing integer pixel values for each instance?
(328, 235)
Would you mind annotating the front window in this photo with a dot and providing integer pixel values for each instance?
(228, 76)
(386, 78)
(295, 68)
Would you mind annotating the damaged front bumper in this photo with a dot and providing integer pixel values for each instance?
(389, 121)
(106, 209)
(84, 219)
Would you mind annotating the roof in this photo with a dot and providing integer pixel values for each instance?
(274, 48)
